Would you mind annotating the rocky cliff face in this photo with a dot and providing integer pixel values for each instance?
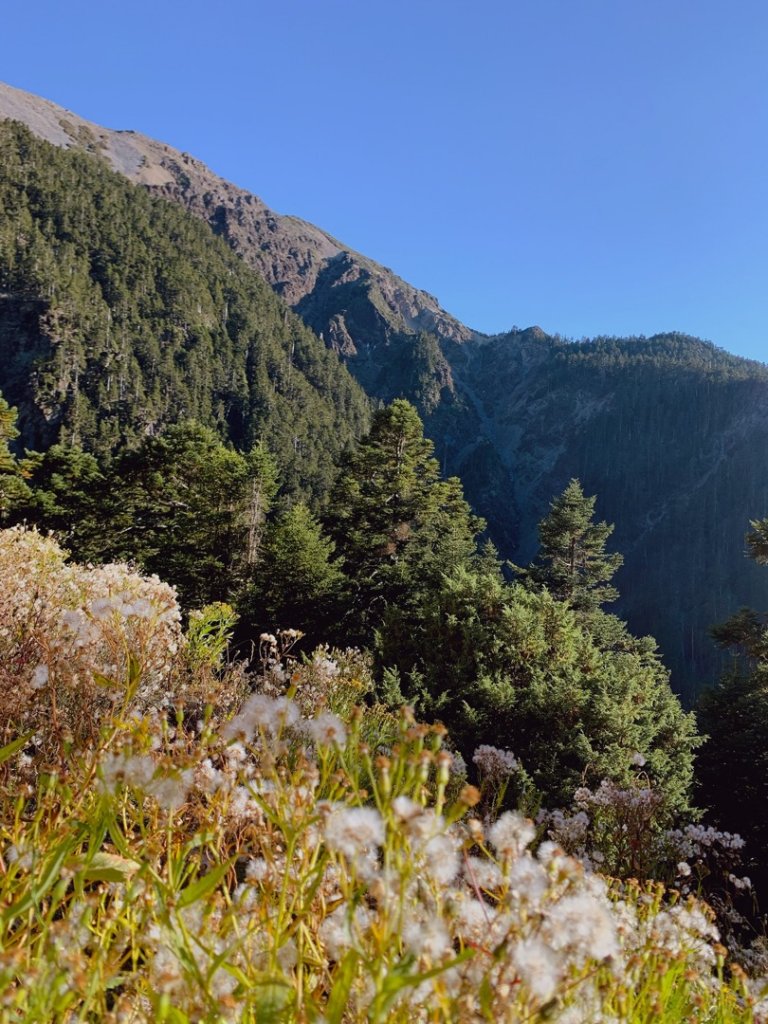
(671, 433)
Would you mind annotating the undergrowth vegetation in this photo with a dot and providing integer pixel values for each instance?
(182, 840)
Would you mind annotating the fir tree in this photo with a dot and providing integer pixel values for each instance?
(73, 497)
(191, 509)
(572, 562)
(518, 669)
(733, 764)
(296, 580)
(397, 525)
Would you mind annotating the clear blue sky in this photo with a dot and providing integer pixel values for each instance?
(592, 166)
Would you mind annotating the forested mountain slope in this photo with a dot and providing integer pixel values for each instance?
(301, 262)
(670, 432)
(120, 313)
(672, 435)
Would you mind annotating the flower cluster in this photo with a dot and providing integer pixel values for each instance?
(494, 763)
(611, 828)
(70, 636)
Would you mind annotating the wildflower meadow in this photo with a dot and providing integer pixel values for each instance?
(184, 840)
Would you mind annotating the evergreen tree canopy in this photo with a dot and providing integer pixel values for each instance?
(757, 541)
(182, 504)
(296, 579)
(518, 669)
(13, 489)
(572, 562)
(186, 508)
(121, 314)
(71, 495)
(397, 525)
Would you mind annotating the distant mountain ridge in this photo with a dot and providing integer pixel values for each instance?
(670, 432)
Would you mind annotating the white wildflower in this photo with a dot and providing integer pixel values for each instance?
(243, 806)
(170, 791)
(570, 830)
(739, 883)
(326, 667)
(139, 770)
(538, 967)
(582, 923)
(210, 779)
(258, 870)
(442, 858)
(582, 796)
(139, 609)
(482, 874)
(527, 879)
(342, 930)
(353, 830)
(407, 811)
(40, 677)
(102, 608)
(495, 763)
(269, 714)
(326, 730)
(428, 938)
(473, 917)
(511, 834)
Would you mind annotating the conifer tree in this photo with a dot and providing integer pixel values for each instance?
(296, 580)
(397, 525)
(517, 669)
(72, 496)
(13, 489)
(190, 508)
(572, 562)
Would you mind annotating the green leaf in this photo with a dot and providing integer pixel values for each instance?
(108, 867)
(273, 1001)
(400, 978)
(45, 881)
(14, 746)
(203, 886)
(165, 1013)
(104, 681)
(345, 975)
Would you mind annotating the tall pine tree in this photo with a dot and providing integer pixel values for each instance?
(296, 580)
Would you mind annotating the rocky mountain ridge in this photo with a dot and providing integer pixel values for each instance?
(301, 262)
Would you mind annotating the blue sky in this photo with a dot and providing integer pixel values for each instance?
(595, 167)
